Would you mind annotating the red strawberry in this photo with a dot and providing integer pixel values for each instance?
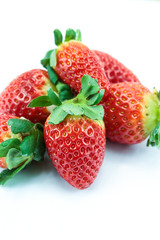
(20, 142)
(29, 85)
(75, 134)
(115, 71)
(132, 112)
(76, 147)
(72, 59)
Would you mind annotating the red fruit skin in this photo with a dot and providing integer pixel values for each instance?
(115, 71)
(74, 60)
(21, 91)
(5, 133)
(124, 115)
(76, 148)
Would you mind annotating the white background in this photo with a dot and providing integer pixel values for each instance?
(124, 201)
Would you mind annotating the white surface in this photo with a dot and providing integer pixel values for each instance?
(124, 201)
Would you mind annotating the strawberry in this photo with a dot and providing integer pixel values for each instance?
(21, 141)
(132, 112)
(76, 148)
(115, 71)
(72, 59)
(75, 134)
(29, 85)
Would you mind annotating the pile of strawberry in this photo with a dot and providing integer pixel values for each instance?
(83, 97)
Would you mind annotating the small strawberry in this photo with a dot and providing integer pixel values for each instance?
(132, 112)
(29, 85)
(72, 59)
(75, 134)
(21, 141)
(115, 71)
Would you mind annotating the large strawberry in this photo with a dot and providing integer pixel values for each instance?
(16, 96)
(21, 141)
(72, 59)
(132, 112)
(115, 71)
(75, 134)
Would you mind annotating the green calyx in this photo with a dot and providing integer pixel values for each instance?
(69, 35)
(20, 153)
(154, 138)
(83, 104)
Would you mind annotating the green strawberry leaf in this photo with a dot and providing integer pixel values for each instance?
(39, 126)
(66, 95)
(41, 101)
(62, 86)
(7, 174)
(96, 98)
(78, 35)
(46, 60)
(89, 86)
(53, 58)
(70, 35)
(58, 38)
(28, 145)
(7, 145)
(39, 149)
(154, 138)
(65, 92)
(20, 125)
(45, 101)
(93, 112)
(57, 115)
(73, 109)
(15, 158)
(52, 75)
(54, 98)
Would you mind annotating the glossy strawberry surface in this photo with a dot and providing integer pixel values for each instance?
(5, 133)
(75, 60)
(19, 93)
(128, 113)
(76, 147)
(115, 71)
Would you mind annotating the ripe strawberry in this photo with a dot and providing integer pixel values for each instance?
(20, 142)
(132, 112)
(75, 135)
(72, 59)
(76, 147)
(115, 71)
(29, 85)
